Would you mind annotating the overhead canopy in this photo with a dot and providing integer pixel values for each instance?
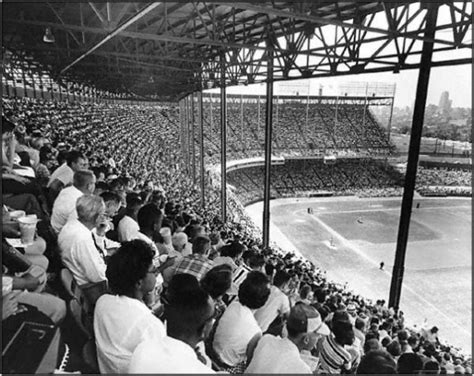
(168, 49)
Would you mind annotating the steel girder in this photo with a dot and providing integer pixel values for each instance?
(310, 39)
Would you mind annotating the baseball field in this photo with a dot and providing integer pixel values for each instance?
(349, 237)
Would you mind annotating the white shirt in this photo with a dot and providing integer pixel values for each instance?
(127, 229)
(80, 254)
(63, 173)
(104, 243)
(166, 356)
(235, 329)
(64, 206)
(120, 325)
(277, 355)
(276, 304)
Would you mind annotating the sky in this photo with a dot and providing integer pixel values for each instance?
(457, 80)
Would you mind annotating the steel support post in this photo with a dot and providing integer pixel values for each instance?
(193, 140)
(268, 147)
(14, 84)
(182, 133)
(223, 142)
(390, 120)
(186, 130)
(201, 148)
(413, 154)
(25, 94)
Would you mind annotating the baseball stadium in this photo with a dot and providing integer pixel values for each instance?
(178, 198)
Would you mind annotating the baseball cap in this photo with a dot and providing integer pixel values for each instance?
(304, 318)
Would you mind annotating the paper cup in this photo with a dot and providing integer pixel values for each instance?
(28, 229)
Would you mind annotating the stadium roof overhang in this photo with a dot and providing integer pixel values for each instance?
(169, 49)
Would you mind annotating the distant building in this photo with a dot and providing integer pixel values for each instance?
(444, 102)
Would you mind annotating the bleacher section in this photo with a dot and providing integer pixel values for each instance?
(298, 129)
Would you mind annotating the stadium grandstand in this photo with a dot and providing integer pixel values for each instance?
(129, 239)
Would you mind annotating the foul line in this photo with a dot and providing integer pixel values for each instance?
(362, 254)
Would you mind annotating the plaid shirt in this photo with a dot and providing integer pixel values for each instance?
(196, 265)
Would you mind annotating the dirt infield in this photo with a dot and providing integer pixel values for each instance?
(363, 232)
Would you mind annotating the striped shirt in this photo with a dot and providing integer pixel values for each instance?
(333, 357)
(238, 277)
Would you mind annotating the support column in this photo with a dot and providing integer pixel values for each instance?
(14, 83)
(33, 84)
(223, 142)
(242, 122)
(413, 154)
(390, 120)
(201, 147)
(268, 146)
(25, 94)
(182, 133)
(193, 139)
(53, 98)
(188, 134)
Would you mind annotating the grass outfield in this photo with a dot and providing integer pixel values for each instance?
(437, 282)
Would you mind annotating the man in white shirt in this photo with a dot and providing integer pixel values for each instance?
(284, 355)
(277, 304)
(112, 205)
(65, 203)
(189, 318)
(78, 251)
(122, 320)
(128, 226)
(64, 174)
(237, 331)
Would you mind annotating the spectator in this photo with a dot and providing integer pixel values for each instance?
(29, 281)
(179, 241)
(64, 174)
(257, 262)
(334, 356)
(394, 349)
(104, 229)
(277, 304)
(46, 162)
(198, 263)
(359, 331)
(430, 335)
(217, 282)
(409, 364)
(306, 294)
(237, 331)
(164, 244)
(192, 231)
(128, 226)
(431, 367)
(79, 253)
(189, 317)
(65, 204)
(149, 220)
(377, 362)
(121, 319)
(282, 355)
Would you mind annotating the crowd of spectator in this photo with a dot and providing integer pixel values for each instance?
(164, 286)
(343, 177)
(297, 129)
(362, 177)
(444, 176)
